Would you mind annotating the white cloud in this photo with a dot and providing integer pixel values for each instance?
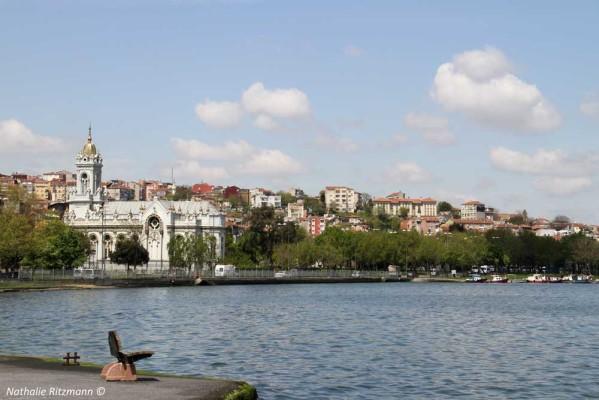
(281, 103)
(194, 149)
(266, 123)
(220, 114)
(335, 143)
(270, 162)
(193, 170)
(435, 130)
(352, 51)
(15, 137)
(563, 186)
(408, 172)
(481, 84)
(545, 162)
(590, 108)
(235, 158)
(558, 172)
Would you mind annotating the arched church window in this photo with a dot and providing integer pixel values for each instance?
(84, 182)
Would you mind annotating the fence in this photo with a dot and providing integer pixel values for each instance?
(143, 273)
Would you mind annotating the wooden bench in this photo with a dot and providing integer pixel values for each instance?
(124, 368)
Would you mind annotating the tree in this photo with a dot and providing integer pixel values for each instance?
(130, 252)
(404, 212)
(517, 219)
(314, 206)
(181, 193)
(286, 198)
(56, 245)
(197, 250)
(188, 252)
(560, 222)
(444, 206)
(15, 239)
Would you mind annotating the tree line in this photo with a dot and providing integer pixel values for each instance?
(270, 242)
(39, 242)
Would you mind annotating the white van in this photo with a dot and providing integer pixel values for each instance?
(225, 270)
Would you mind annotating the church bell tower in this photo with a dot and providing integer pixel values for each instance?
(88, 192)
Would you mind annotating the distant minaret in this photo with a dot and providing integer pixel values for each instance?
(173, 187)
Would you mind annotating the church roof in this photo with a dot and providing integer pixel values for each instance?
(179, 207)
(89, 149)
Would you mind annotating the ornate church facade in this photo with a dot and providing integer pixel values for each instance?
(155, 222)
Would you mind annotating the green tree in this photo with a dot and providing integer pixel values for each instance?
(130, 252)
(181, 193)
(15, 239)
(444, 206)
(56, 245)
(177, 252)
(286, 198)
(314, 206)
(404, 212)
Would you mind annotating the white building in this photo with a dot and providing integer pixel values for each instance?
(473, 210)
(341, 198)
(261, 198)
(296, 211)
(155, 222)
(415, 207)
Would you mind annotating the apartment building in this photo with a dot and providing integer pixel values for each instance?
(341, 198)
(263, 198)
(473, 209)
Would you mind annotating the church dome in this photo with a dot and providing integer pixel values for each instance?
(89, 149)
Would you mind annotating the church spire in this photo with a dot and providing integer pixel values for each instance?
(89, 133)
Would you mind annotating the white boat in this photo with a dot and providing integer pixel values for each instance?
(475, 278)
(537, 278)
(499, 279)
(574, 278)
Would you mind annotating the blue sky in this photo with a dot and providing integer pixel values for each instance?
(454, 100)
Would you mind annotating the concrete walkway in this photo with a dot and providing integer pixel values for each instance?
(27, 378)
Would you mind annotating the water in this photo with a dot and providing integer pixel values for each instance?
(341, 341)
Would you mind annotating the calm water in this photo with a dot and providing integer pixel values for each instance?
(344, 341)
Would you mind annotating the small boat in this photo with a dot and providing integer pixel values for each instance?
(554, 279)
(475, 278)
(537, 278)
(573, 278)
(499, 279)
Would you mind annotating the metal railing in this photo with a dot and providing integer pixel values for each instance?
(239, 274)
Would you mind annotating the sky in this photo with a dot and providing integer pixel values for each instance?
(495, 101)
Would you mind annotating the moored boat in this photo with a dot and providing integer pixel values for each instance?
(499, 279)
(574, 278)
(537, 278)
(475, 278)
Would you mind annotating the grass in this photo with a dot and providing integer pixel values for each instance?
(244, 392)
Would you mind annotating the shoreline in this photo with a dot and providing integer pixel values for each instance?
(18, 371)
(48, 286)
(44, 286)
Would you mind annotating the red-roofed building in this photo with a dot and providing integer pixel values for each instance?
(200, 189)
(231, 191)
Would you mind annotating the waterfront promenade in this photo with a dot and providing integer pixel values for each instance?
(29, 377)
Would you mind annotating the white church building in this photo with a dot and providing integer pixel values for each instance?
(155, 222)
